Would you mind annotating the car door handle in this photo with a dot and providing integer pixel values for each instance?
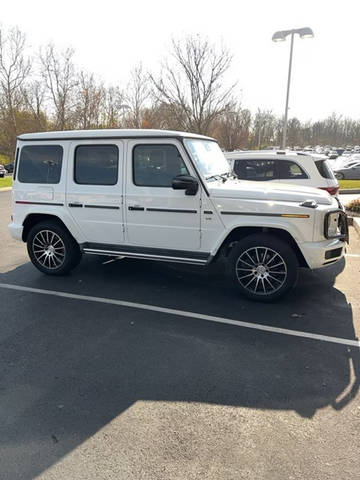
(75, 204)
(136, 208)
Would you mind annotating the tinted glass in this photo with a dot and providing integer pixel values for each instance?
(324, 169)
(96, 164)
(290, 170)
(258, 170)
(40, 164)
(157, 165)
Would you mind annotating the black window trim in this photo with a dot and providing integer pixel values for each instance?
(276, 168)
(96, 145)
(150, 145)
(18, 164)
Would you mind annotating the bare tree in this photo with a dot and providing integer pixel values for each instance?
(34, 98)
(264, 129)
(114, 107)
(14, 70)
(58, 73)
(232, 128)
(136, 95)
(192, 84)
(89, 101)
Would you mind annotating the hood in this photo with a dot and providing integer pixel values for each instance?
(268, 191)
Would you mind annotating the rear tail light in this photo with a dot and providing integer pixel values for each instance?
(331, 190)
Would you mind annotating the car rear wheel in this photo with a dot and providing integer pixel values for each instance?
(263, 267)
(52, 249)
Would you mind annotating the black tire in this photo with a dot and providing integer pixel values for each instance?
(340, 176)
(262, 258)
(52, 249)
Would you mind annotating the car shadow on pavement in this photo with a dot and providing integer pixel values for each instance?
(70, 367)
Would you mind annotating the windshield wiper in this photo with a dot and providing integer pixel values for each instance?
(213, 177)
(220, 176)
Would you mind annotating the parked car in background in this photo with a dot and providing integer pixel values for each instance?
(349, 172)
(332, 154)
(9, 167)
(2, 171)
(298, 168)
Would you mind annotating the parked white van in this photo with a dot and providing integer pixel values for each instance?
(166, 196)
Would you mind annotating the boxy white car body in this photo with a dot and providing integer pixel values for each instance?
(163, 223)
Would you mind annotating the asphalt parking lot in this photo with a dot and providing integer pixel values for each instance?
(104, 389)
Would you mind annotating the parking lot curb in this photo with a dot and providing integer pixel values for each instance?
(356, 224)
(350, 191)
(6, 189)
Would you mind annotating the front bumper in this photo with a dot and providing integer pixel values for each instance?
(320, 254)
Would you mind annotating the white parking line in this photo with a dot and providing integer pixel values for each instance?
(184, 313)
(354, 255)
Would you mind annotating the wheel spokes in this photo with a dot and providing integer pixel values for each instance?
(266, 273)
(49, 249)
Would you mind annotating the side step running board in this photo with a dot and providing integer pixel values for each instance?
(146, 256)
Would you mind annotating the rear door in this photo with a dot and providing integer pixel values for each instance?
(156, 215)
(95, 188)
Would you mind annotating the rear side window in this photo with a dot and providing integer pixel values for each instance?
(96, 164)
(40, 164)
(324, 169)
(290, 170)
(258, 170)
(157, 165)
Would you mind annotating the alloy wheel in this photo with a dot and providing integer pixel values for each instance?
(49, 249)
(261, 270)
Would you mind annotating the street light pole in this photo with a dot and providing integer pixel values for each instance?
(283, 145)
(280, 36)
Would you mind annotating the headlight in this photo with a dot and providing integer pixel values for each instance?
(336, 225)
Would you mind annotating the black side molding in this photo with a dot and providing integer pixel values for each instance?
(136, 209)
(23, 202)
(171, 210)
(106, 207)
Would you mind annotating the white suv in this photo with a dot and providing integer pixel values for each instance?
(299, 168)
(166, 196)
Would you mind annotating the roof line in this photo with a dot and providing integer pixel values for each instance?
(115, 137)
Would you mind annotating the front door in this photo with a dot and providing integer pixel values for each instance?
(157, 215)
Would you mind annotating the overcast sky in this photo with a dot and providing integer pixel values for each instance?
(111, 36)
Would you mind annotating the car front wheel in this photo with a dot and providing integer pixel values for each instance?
(52, 249)
(263, 267)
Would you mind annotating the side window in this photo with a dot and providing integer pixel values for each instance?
(290, 170)
(40, 164)
(324, 169)
(157, 165)
(258, 170)
(96, 164)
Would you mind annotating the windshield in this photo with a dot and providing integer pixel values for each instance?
(208, 157)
